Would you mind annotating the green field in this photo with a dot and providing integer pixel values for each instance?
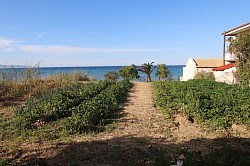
(217, 105)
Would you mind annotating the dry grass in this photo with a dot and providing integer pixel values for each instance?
(20, 84)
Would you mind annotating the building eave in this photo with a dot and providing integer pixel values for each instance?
(206, 67)
(237, 30)
(224, 67)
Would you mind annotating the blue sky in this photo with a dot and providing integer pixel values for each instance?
(115, 32)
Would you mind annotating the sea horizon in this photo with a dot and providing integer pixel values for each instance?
(23, 66)
(99, 71)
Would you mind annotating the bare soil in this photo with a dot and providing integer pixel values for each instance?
(140, 117)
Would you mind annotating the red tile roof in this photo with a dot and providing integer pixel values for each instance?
(222, 68)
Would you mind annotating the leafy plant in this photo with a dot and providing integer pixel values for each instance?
(205, 75)
(208, 102)
(129, 72)
(112, 75)
(162, 72)
(57, 103)
(85, 106)
(93, 113)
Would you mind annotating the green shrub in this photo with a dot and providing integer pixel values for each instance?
(89, 115)
(206, 101)
(86, 106)
(112, 75)
(58, 103)
(129, 72)
(205, 75)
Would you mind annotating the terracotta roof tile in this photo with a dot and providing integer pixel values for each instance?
(209, 63)
(222, 68)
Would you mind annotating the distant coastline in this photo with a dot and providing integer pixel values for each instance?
(96, 71)
(12, 66)
(23, 66)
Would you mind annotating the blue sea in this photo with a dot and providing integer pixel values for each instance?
(99, 71)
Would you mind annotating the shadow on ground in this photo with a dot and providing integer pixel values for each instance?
(130, 150)
(10, 101)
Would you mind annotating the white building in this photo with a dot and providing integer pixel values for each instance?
(195, 66)
(228, 36)
(223, 69)
(225, 73)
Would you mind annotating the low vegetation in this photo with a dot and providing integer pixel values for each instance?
(35, 108)
(112, 75)
(205, 76)
(215, 104)
(28, 82)
(77, 108)
(95, 112)
(56, 104)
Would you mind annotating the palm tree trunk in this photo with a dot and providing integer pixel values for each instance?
(149, 78)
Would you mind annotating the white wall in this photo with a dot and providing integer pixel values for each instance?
(226, 76)
(190, 70)
(204, 70)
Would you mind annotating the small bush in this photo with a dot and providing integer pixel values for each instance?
(205, 76)
(112, 75)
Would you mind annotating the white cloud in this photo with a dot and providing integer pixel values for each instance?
(16, 45)
(61, 49)
(8, 44)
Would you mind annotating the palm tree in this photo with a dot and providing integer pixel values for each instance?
(147, 68)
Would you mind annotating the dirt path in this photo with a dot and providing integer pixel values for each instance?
(139, 117)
